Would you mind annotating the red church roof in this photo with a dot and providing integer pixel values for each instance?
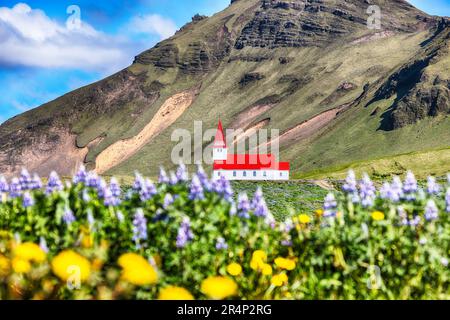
(251, 162)
(219, 141)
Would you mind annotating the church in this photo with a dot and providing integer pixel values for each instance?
(245, 166)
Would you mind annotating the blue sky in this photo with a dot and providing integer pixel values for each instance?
(46, 52)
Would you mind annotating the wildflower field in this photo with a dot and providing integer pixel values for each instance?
(187, 237)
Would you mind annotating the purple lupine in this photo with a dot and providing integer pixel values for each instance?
(410, 187)
(163, 178)
(402, 215)
(139, 228)
(109, 199)
(182, 173)
(204, 178)
(80, 176)
(168, 200)
(447, 201)
(25, 179)
(286, 243)
(431, 210)
(233, 210)
(102, 188)
(259, 205)
(184, 233)
(433, 187)
(90, 219)
(54, 183)
(85, 196)
(448, 179)
(221, 244)
(36, 182)
(14, 188)
(351, 185)
(120, 216)
(396, 189)
(173, 180)
(367, 191)
(330, 206)
(287, 226)
(385, 191)
(148, 190)
(243, 206)
(258, 196)
(196, 189)
(27, 200)
(415, 221)
(138, 183)
(223, 187)
(68, 216)
(92, 180)
(43, 244)
(115, 187)
(4, 187)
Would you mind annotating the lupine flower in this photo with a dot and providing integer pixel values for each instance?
(221, 244)
(287, 226)
(173, 180)
(243, 206)
(139, 228)
(204, 178)
(4, 187)
(402, 215)
(196, 189)
(415, 221)
(120, 216)
(432, 186)
(257, 197)
(233, 210)
(330, 206)
(115, 187)
(25, 179)
(367, 191)
(148, 190)
(80, 176)
(85, 196)
(447, 200)
(27, 200)
(410, 186)
(184, 233)
(396, 189)
(223, 187)
(138, 183)
(182, 173)
(259, 206)
(168, 200)
(14, 188)
(286, 243)
(102, 188)
(163, 178)
(92, 180)
(43, 244)
(109, 198)
(431, 210)
(351, 185)
(36, 182)
(448, 179)
(54, 183)
(68, 216)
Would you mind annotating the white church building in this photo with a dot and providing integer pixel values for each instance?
(245, 166)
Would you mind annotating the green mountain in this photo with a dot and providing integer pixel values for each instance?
(340, 93)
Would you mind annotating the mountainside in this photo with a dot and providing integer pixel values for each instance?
(339, 92)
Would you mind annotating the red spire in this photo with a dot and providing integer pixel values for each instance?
(219, 141)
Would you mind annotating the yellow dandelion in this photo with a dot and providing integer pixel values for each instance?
(260, 255)
(29, 251)
(279, 280)
(175, 293)
(267, 270)
(137, 270)
(234, 269)
(319, 212)
(304, 218)
(21, 265)
(219, 288)
(69, 263)
(284, 263)
(377, 215)
(87, 240)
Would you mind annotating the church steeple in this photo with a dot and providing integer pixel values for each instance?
(220, 150)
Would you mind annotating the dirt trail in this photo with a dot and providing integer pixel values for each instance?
(122, 150)
(251, 130)
(246, 117)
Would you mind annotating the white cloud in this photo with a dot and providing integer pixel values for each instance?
(28, 37)
(153, 24)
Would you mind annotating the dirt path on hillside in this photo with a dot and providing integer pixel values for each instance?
(122, 150)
